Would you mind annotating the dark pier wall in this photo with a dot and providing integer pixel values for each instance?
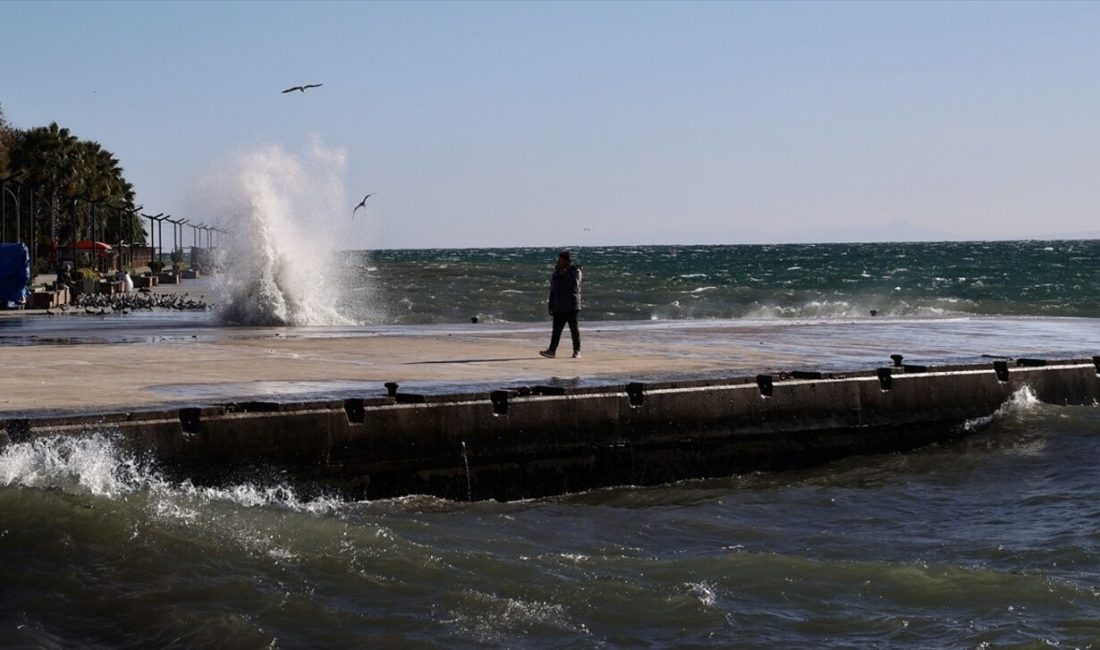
(544, 440)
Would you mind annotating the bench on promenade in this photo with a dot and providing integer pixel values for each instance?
(48, 298)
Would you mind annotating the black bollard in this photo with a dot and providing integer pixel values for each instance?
(885, 378)
(897, 360)
(391, 388)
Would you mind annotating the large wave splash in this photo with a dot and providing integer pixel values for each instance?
(286, 215)
(93, 464)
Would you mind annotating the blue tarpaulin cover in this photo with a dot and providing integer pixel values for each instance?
(15, 273)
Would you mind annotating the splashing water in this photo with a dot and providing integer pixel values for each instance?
(1021, 403)
(74, 465)
(95, 465)
(284, 213)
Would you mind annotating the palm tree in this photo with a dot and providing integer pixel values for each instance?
(79, 175)
(44, 152)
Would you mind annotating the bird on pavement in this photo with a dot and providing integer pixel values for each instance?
(301, 89)
(362, 204)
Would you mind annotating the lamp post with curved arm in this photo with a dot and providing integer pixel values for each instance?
(4, 212)
(4, 203)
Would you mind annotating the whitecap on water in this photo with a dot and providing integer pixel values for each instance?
(704, 592)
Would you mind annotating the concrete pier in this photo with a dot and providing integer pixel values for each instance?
(469, 422)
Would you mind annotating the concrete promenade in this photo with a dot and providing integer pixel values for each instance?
(93, 363)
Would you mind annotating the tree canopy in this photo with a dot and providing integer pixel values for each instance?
(68, 189)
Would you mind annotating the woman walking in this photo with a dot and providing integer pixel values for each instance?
(565, 303)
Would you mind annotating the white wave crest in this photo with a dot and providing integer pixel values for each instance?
(1022, 402)
(88, 464)
(703, 592)
(95, 465)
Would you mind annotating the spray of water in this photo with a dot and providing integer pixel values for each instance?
(287, 218)
(1021, 403)
(93, 464)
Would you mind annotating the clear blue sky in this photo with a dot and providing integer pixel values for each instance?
(496, 124)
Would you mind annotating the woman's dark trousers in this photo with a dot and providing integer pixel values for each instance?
(560, 320)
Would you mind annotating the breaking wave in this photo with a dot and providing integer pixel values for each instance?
(285, 214)
(94, 465)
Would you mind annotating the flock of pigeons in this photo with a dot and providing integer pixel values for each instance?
(302, 89)
(101, 304)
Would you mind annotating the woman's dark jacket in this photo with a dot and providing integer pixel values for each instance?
(565, 290)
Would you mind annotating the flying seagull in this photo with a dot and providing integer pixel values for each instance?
(362, 204)
(301, 88)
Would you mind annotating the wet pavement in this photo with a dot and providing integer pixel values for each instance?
(145, 359)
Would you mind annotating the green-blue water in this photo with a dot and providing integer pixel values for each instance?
(1018, 278)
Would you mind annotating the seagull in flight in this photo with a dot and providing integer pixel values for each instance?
(301, 88)
(362, 204)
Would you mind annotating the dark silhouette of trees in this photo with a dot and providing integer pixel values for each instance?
(79, 189)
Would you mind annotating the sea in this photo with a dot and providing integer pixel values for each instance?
(794, 281)
(990, 541)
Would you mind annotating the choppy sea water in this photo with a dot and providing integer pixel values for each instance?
(793, 281)
(990, 541)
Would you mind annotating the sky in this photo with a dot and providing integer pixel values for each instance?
(481, 124)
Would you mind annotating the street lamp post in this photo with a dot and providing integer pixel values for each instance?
(196, 242)
(152, 233)
(4, 212)
(34, 225)
(21, 176)
(72, 236)
(92, 232)
(160, 237)
(182, 222)
(177, 227)
(119, 211)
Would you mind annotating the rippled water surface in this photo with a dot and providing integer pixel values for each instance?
(991, 540)
(1015, 278)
